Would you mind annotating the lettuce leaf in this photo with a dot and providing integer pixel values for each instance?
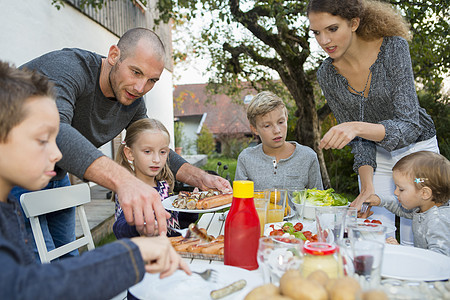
(325, 198)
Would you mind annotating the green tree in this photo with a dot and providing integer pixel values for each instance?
(250, 41)
(178, 133)
(205, 141)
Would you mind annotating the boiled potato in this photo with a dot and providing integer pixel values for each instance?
(299, 288)
(345, 288)
(320, 276)
(374, 295)
(263, 292)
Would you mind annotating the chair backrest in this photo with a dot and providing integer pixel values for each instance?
(42, 202)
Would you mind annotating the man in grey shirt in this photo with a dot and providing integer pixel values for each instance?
(98, 97)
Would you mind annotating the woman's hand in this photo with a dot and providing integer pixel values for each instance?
(159, 256)
(339, 136)
(367, 188)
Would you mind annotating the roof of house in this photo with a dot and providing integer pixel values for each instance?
(223, 115)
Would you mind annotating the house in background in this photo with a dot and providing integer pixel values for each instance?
(225, 119)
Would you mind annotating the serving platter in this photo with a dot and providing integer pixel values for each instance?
(167, 203)
(202, 256)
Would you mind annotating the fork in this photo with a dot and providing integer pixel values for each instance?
(186, 233)
(364, 207)
(208, 274)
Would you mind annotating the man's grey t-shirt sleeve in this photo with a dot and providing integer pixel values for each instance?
(175, 162)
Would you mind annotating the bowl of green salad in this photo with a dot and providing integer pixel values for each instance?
(321, 198)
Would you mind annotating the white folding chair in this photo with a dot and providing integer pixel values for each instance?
(46, 201)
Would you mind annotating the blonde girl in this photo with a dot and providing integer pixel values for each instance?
(144, 152)
(422, 181)
(368, 83)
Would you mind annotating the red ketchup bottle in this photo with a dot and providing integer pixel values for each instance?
(242, 230)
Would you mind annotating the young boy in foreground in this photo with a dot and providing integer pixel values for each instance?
(29, 124)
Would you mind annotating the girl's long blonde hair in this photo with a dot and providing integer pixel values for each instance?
(377, 19)
(133, 132)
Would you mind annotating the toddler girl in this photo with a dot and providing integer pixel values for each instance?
(422, 187)
(144, 152)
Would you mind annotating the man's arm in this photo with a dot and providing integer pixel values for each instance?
(194, 176)
(139, 201)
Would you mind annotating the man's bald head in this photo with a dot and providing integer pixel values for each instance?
(129, 40)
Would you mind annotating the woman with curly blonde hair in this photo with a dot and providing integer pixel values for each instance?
(368, 83)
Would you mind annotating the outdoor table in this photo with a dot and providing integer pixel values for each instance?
(214, 223)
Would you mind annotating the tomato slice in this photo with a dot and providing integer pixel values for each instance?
(376, 222)
(298, 226)
(366, 221)
(277, 232)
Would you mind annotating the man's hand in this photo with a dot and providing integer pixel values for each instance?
(197, 177)
(159, 256)
(139, 201)
(210, 181)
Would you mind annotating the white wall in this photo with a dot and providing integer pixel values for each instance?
(159, 102)
(30, 28)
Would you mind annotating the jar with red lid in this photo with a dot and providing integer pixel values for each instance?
(321, 256)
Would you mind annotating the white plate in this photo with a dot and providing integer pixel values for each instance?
(182, 286)
(167, 203)
(411, 263)
(390, 228)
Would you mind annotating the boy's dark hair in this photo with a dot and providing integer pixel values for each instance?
(16, 87)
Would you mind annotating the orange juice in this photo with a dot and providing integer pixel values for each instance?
(275, 215)
(262, 212)
(259, 195)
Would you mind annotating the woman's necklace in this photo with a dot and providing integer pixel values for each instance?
(363, 92)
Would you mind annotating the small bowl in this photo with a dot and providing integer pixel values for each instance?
(309, 211)
(298, 209)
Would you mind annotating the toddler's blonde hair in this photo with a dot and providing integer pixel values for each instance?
(427, 169)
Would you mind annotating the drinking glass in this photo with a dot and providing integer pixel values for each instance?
(351, 218)
(261, 209)
(277, 204)
(276, 255)
(367, 231)
(367, 261)
(298, 199)
(330, 222)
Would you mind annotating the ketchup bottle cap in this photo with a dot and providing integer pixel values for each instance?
(243, 189)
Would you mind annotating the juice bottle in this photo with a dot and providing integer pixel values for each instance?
(242, 229)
